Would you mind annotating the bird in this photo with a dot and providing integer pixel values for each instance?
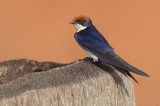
(98, 48)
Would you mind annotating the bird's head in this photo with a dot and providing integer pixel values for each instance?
(81, 22)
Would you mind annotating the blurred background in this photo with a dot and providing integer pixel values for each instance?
(39, 30)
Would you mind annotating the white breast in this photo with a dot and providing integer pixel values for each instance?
(94, 57)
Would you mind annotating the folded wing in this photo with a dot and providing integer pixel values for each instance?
(112, 58)
(105, 52)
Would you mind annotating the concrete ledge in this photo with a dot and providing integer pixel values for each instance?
(81, 83)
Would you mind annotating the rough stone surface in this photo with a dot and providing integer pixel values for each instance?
(10, 70)
(81, 83)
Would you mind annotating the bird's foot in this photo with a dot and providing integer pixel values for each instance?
(89, 60)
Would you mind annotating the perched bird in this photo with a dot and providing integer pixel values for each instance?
(97, 47)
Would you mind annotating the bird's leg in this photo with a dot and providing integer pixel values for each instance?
(89, 60)
(96, 62)
(92, 61)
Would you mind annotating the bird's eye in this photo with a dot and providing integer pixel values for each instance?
(81, 21)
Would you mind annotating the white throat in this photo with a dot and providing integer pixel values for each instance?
(79, 27)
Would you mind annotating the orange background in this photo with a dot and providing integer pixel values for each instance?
(39, 30)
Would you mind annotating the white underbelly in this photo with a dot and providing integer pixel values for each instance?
(94, 57)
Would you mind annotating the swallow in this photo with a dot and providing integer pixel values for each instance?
(98, 48)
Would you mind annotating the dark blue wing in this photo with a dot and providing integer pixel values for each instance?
(105, 52)
(94, 45)
(112, 58)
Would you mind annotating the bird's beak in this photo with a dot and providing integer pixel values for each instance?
(72, 22)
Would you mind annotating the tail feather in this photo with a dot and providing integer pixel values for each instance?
(126, 73)
(130, 75)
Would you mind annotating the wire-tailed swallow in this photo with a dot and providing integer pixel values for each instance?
(97, 47)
